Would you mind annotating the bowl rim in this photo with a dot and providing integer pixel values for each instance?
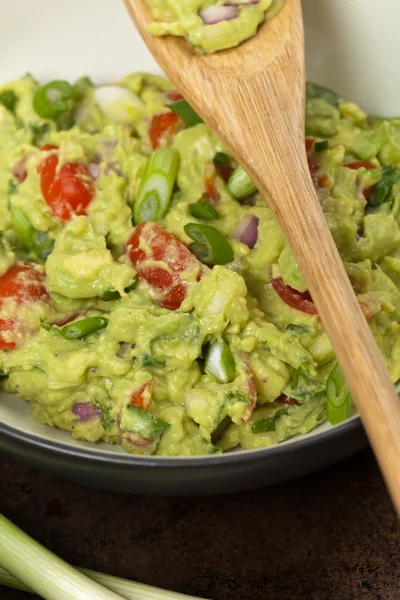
(62, 449)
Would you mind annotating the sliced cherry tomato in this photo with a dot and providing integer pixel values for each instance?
(142, 396)
(309, 143)
(25, 284)
(283, 399)
(299, 300)
(48, 147)
(163, 127)
(149, 244)
(67, 191)
(174, 95)
(209, 183)
(360, 163)
(6, 325)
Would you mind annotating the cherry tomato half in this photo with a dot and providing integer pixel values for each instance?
(148, 244)
(67, 191)
(163, 127)
(298, 300)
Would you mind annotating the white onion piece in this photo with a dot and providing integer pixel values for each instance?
(216, 14)
(118, 103)
(94, 170)
(247, 231)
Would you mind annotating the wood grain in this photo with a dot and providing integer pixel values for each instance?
(253, 98)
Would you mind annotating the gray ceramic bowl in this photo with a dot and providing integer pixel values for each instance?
(106, 46)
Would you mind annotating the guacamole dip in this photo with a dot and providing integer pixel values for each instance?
(211, 25)
(147, 295)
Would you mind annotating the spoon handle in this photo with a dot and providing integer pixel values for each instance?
(274, 157)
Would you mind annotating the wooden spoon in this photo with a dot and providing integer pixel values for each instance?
(252, 96)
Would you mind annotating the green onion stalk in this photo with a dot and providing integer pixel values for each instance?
(27, 566)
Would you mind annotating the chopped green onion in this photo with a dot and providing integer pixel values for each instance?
(313, 90)
(80, 329)
(219, 362)
(339, 401)
(209, 245)
(321, 146)
(22, 226)
(299, 329)
(65, 122)
(203, 210)
(144, 423)
(149, 360)
(382, 189)
(9, 100)
(221, 159)
(12, 187)
(114, 295)
(39, 242)
(43, 571)
(81, 86)
(265, 425)
(156, 186)
(52, 100)
(240, 185)
(234, 397)
(39, 132)
(185, 112)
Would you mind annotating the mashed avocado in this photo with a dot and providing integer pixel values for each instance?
(147, 295)
(211, 25)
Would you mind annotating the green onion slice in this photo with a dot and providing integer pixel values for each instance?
(313, 90)
(240, 185)
(80, 329)
(203, 210)
(38, 242)
(185, 112)
(321, 146)
(382, 190)
(265, 425)
(114, 295)
(9, 100)
(156, 186)
(339, 401)
(219, 362)
(209, 245)
(51, 101)
(81, 86)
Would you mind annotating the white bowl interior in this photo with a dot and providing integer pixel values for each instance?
(349, 46)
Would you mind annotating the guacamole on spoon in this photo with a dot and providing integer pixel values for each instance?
(147, 295)
(211, 25)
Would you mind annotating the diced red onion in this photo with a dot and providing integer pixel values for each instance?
(85, 411)
(94, 170)
(247, 231)
(216, 14)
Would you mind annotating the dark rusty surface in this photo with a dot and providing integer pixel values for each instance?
(328, 536)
